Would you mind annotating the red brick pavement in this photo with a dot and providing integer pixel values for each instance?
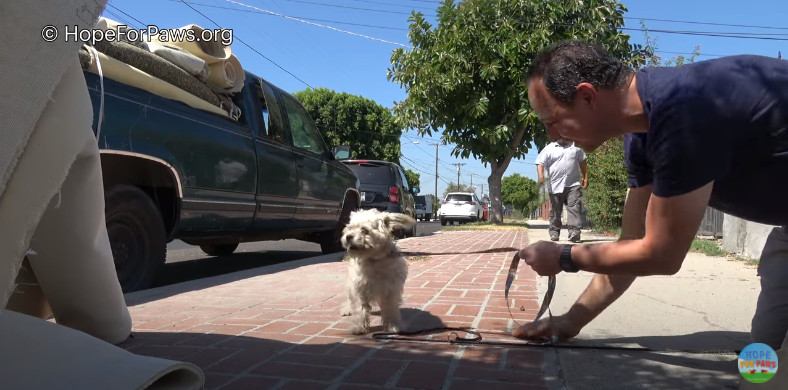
(283, 330)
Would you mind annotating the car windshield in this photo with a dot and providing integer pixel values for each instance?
(459, 198)
(372, 173)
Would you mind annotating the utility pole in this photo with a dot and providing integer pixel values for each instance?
(436, 172)
(459, 166)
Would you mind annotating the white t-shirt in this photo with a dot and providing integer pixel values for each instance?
(561, 166)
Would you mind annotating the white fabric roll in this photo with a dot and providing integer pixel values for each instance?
(226, 76)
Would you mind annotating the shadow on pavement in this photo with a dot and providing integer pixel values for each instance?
(156, 293)
(606, 369)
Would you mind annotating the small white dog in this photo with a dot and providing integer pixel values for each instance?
(376, 269)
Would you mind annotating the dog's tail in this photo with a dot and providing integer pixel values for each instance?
(398, 221)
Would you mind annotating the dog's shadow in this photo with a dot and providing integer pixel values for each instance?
(412, 320)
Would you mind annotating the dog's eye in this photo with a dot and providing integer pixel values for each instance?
(365, 230)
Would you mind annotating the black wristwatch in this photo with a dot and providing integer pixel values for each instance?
(567, 265)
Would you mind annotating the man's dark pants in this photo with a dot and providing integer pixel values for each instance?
(571, 197)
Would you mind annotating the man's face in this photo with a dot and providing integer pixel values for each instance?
(578, 121)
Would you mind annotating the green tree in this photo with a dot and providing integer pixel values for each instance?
(413, 178)
(607, 185)
(345, 119)
(454, 187)
(521, 192)
(466, 75)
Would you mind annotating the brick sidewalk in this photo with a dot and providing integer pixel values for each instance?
(265, 329)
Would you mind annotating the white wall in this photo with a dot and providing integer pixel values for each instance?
(744, 237)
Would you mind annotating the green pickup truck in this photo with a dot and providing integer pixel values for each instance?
(175, 172)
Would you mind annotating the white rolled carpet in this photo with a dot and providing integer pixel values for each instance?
(226, 76)
(37, 354)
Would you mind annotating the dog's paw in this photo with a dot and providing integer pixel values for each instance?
(345, 311)
(393, 328)
(358, 329)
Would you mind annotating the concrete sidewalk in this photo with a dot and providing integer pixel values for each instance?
(279, 327)
(707, 305)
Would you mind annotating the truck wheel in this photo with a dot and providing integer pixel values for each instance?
(219, 249)
(136, 235)
(443, 222)
(330, 242)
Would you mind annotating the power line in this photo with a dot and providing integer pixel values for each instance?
(143, 24)
(705, 34)
(394, 5)
(235, 37)
(349, 7)
(706, 23)
(315, 24)
(252, 11)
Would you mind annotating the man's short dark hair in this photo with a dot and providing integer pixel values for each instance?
(564, 65)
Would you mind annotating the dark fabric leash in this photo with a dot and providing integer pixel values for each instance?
(476, 336)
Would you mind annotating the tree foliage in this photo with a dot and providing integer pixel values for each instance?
(466, 75)
(413, 178)
(345, 119)
(607, 185)
(521, 192)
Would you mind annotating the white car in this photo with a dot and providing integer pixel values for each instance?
(461, 207)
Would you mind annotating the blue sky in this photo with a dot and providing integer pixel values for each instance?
(326, 58)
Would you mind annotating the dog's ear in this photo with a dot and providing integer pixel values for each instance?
(393, 221)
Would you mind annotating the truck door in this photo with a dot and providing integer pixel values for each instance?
(316, 208)
(277, 183)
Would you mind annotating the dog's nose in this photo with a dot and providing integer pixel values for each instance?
(349, 237)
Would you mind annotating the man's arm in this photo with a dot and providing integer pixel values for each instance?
(603, 289)
(584, 172)
(540, 173)
(671, 225)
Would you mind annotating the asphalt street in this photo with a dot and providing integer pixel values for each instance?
(187, 262)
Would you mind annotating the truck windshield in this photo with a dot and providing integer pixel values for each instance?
(372, 173)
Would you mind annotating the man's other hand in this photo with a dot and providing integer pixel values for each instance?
(545, 329)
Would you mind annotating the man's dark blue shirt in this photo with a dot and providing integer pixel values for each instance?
(724, 120)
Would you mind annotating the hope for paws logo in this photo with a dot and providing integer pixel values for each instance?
(757, 363)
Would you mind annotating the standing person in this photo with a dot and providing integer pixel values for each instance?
(566, 167)
(706, 133)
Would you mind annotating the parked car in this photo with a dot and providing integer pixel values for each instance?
(424, 206)
(175, 172)
(384, 186)
(460, 207)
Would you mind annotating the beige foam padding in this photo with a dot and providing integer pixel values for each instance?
(37, 354)
(127, 74)
(226, 76)
(189, 62)
(209, 51)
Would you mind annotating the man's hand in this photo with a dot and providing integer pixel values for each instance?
(545, 329)
(584, 183)
(543, 257)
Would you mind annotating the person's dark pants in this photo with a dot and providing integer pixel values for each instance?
(571, 197)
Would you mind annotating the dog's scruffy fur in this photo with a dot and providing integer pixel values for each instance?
(376, 269)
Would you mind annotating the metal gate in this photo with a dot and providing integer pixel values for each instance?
(711, 225)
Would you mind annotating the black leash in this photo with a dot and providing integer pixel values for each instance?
(476, 336)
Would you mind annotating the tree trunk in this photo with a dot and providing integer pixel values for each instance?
(494, 181)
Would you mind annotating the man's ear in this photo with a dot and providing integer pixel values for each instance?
(587, 93)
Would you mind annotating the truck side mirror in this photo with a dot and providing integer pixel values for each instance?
(342, 152)
(415, 190)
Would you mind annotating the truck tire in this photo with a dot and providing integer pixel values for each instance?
(330, 242)
(219, 249)
(136, 235)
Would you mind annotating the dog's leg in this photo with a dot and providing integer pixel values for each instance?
(389, 311)
(361, 317)
(347, 307)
